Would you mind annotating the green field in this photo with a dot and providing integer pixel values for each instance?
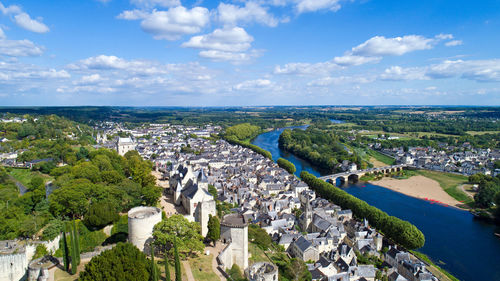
(381, 157)
(201, 267)
(449, 183)
(25, 175)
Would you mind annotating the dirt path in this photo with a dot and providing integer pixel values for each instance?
(187, 269)
(215, 251)
(462, 187)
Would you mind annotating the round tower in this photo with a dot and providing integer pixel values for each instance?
(141, 221)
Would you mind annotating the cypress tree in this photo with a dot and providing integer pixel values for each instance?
(77, 242)
(167, 269)
(74, 264)
(178, 274)
(154, 272)
(65, 249)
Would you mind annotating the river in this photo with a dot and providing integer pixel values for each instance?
(455, 241)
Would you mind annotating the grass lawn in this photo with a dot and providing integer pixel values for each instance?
(450, 184)
(25, 175)
(61, 275)
(381, 157)
(201, 267)
(256, 254)
(161, 266)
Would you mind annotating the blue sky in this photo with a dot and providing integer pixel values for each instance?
(259, 52)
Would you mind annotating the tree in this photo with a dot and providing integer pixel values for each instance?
(65, 249)
(122, 263)
(235, 273)
(189, 239)
(213, 229)
(76, 235)
(154, 270)
(167, 269)
(287, 165)
(177, 262)
(259, 236)
(101, 214)
(212, 190)
(486, 194)
(74, 258)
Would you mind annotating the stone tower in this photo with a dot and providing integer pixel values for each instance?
(234, 230)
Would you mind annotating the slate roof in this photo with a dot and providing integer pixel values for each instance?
(302, 244)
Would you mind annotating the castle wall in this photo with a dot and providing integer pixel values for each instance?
(13, 267)
(205, 209)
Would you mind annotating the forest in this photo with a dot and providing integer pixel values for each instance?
(323, 149)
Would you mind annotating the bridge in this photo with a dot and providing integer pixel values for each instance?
(355, 175)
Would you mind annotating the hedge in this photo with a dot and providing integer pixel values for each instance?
(287, 165)
(253, 147)
(400, 231)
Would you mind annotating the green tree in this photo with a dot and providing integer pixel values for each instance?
(177, 262)
(154, 270)
(212, 190)
(213, 229)
(65, 249)
(235, 273)
(101, 214)
(74, 259)
(287, 165)
(189, 239)
(167, 269)
(122, 263)
(259, 236)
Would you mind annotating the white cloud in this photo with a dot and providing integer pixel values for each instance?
(444, 36)
(253, 84)
(25, 21)
(2, 34)
(304, 6)
(19, 48)
(227, 44)
(156, 3)
(453, 43)
(171, 24)
(306, 68)
(132, 15)
(251, 12)
(352, 60)
(234, 39)
(326, 81)
(12, 9)
(89, 79)
(476, 70)
(397, 73)
(236, 58)
(397, 46)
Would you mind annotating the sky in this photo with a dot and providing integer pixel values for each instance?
(248, 53)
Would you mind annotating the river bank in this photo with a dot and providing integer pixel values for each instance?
(419, 187)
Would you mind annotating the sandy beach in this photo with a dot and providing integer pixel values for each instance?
(419, 187)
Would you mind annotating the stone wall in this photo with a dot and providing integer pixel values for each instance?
(13, 267)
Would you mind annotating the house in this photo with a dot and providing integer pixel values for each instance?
(303, 249)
